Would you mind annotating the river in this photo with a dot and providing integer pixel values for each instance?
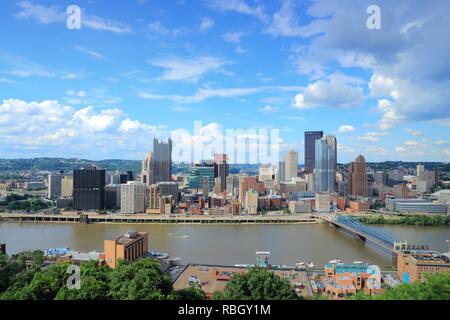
(223, 244)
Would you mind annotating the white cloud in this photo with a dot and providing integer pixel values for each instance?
(414, 133)
(336, 91)
(234, 36)
(285, 23)
(203, 94)
(346, 129)
(267, 109)
(239, 6)
(89, 52)
(158, 29)
(206, 24)
(185, 69)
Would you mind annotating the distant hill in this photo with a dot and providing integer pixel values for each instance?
(62, 164)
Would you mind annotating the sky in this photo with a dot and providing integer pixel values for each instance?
(140, 69)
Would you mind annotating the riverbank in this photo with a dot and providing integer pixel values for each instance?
(414, 220)
(158, 219)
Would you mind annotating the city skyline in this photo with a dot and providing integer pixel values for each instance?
(145, 70)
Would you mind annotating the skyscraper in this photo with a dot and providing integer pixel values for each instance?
(291, 165)
(357, 179)
(161, 164)
(325, 168)
(132, 197)
(281, 170)
(221, 170)
(54, 184)
(310, 149)
(146, 173)
(89, 189)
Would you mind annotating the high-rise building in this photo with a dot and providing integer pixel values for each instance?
(112, 196)
(281, 170)
(196, 175)
(67, 187)
(146, 167)
(169, 189)
(232, 185)
(291, 165)
(326, 162)
(221, 170)
(381, 177)
(357, 179)
(205, 186)
(251, 201)
(266, 173)
(153, 197)
(161, 164)
(132, 197)
(310, 149)
(249, 183)
(54, 185)
(89, 189)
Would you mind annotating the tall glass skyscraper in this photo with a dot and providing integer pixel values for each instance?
(310, 149)
(325, 168)
(162, 161)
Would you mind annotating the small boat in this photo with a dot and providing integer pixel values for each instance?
(358, 262)
(300, 264)
(335, 261)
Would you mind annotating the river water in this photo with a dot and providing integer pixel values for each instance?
(223, 244)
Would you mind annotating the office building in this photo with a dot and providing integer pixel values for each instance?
(412, 265)
(196, 175)
(169, 189)
(89, 189)
(265, 173)
(381, 177)
(67, 187)
(291, 165)
(132, 197)
(415, 206)
(146, 170)
(126, 177)
(221, 170)
(112, 196)
(232, 185)
(249, 183)
(54, 185)
(342, 280)
(281, 170)
(130, 246)
(251, 201)
(357, 180)
(326, 162)
(310, 149)
(161, 164)
(323, 202)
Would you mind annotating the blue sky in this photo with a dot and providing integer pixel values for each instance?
(141, 69)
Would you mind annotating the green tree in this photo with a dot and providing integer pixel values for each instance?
(140, 280)
(257, 284)
(435, 287)
(94, 284)
(191, 294)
